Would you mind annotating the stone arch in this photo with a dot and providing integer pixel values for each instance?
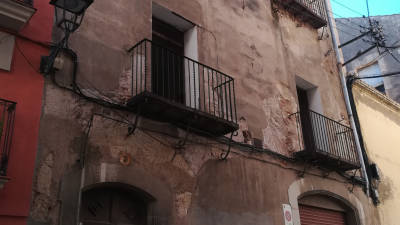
(123, 186)
(330, 190)
(328, 200)
(152, 189)
(115, 203)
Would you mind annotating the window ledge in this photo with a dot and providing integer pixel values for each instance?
(14, 14)
(3, 181)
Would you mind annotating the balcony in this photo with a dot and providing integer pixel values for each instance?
(14, 14)
(326, 142)
(310, 11)
(7, 115)
(172, 88)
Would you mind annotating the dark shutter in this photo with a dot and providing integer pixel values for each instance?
(317, 216)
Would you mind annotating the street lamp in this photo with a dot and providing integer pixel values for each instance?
(69, 15)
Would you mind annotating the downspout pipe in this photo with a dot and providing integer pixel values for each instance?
(342, 73)
(350, 81)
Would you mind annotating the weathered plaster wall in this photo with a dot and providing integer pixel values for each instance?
(262, 51)
(191, 187)
(380, 125)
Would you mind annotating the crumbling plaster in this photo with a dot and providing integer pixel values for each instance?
(241, 38)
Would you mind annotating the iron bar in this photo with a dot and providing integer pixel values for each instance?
(325, 136)
(182, 80)
(7, 117)
(316, 7)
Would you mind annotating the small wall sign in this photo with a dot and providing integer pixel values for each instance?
(287, 214)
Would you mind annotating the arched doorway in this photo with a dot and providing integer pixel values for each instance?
(113, 204)
(320, 209)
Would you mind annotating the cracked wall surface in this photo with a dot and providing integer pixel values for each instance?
(261, 51)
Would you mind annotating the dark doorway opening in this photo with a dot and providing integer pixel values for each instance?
(306, 120)
(168, 76)
(106, 206)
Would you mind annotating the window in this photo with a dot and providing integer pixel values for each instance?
(309, 102)
(167, 63)
(174, 37)
(373, 70)
(7, 117)
(7, 42)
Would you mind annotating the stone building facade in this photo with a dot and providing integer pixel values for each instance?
(97, 162)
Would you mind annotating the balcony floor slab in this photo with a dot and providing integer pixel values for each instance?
(327, 160)
(307, 15)
(161, 109)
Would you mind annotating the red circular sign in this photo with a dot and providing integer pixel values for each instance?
(288, 216)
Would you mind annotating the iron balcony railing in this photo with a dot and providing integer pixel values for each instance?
(310, 11)
(317, 7)
(7, 116)
(179, 79)
(324, 136)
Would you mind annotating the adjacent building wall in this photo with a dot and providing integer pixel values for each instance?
(380, 125)
(24, 85)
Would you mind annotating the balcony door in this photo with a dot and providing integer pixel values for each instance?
(306, 120)
(167, 63)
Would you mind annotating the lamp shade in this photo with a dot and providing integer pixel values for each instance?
(74, 6)
(69, 13)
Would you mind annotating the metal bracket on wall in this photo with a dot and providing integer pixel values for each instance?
(326, 173)
(352, 181)
(181, 143)
(224, 157)
(132, 128)
(82, 157)
(307, 164)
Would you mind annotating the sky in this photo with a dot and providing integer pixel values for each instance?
(357, 8)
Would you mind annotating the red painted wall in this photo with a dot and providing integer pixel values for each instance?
(24, 85)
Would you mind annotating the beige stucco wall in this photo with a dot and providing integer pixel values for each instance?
(380, 125)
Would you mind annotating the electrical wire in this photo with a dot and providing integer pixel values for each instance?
(25, 58)
(393, 56)
(344, 6)
(106, 103)
(372, 76)
(344, 24)
(238, 151)
(366, 1)
(348, 19)
(347, 25)
(345, 32)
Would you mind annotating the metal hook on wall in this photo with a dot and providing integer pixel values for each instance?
(224, 157)
(132, 128)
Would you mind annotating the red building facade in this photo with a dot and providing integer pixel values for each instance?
(25, 33)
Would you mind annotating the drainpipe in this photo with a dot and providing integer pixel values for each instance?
(342, 72)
